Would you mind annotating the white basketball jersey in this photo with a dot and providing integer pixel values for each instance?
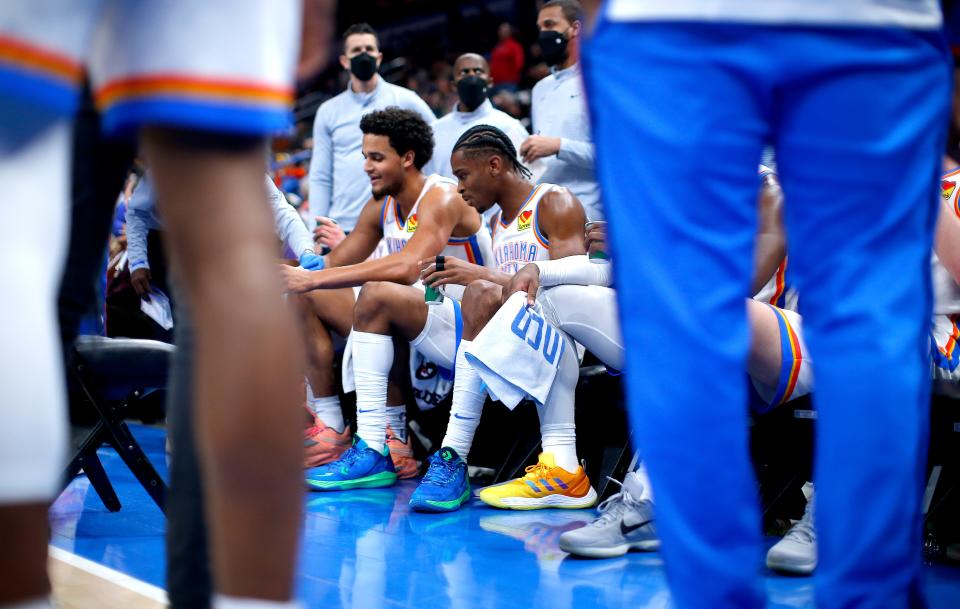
(521, 241)
(946, 292)
(397, 230)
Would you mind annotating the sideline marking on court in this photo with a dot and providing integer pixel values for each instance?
(115, 577)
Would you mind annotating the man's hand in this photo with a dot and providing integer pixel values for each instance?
(526, 280)
(328, 233)
(140, 279)
(595, 238)
(539, 146)
(454, 272)
(295, 279)
(311, 261)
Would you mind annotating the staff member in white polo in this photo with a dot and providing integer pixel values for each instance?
(558, 111)
(471, 75)
(338, 186)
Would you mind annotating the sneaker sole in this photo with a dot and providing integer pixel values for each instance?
(375, 481)
(441, 506)
(540, 503)
(792, 568)
(612, 551)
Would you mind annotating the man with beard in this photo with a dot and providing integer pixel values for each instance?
(417, 216)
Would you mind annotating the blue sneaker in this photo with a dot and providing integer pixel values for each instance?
(445, 486)
(358, 467)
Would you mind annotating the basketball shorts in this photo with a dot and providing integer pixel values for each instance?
(944, 353)
(211, 65)
(796, 367)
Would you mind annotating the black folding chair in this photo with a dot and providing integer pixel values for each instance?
(112, 375)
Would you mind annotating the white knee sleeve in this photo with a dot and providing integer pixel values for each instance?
(34, 212)
(589, 315)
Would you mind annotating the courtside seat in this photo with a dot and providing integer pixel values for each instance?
(111, 375)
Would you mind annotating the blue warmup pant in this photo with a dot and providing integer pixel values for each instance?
(857, 116)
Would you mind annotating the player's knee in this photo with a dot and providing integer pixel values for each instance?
(373, 303)
(481, 300)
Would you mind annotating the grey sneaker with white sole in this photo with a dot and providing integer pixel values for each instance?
(796, 553)
(625, 523)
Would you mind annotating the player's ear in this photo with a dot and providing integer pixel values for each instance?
(495, 165)
(344, 62)
(407, 159)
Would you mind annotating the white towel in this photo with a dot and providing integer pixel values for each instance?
(518, 352)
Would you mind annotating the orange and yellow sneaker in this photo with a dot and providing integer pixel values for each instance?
(402, 454)
(323, 444)
(545, 485)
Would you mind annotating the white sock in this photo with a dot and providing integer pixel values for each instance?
(35, 603)
(221, 601)
(641, 471)
(558, 430)
(327, 410)
(397, 420)
(372, 360)
(468, 398)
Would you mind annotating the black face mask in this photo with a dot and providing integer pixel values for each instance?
(363, 66)
(472, 91)
(554, 46)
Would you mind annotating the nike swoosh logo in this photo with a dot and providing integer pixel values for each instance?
(457, 416)
(368, 410)
(626, 529)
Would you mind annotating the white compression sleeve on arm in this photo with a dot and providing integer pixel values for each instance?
(573, 270)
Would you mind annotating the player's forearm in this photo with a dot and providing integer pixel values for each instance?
(395, 269)
(573, 270)
(136, 242)
(501, 279)
(579, 153)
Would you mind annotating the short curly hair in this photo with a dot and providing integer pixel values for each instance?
(405, 129)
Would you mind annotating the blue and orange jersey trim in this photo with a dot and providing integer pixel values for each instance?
(228, 92)
(533, 191)
(947, 357)
(20, 55)
(471, 246)
(212, 104)
(39, 75)
(383, 212)
(541, 238)
(791, 358)
(780, 285)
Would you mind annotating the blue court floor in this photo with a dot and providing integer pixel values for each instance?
(366, 549)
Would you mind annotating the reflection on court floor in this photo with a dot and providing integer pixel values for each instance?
(365, 549)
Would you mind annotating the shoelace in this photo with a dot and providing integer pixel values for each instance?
(440, 470)
(612, 507)
(803, 530)
(350, 456)
(538, 470)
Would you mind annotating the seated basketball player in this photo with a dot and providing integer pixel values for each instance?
(419, 216)
(542, 222)
(587, 313)
(797, 551)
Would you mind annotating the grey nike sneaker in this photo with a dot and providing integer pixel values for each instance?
(797, 552)
(625, 523)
